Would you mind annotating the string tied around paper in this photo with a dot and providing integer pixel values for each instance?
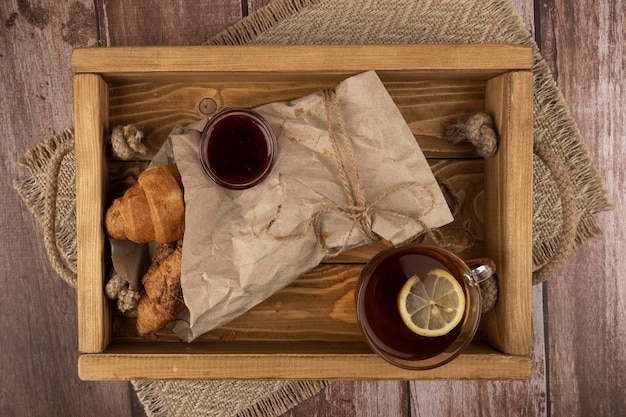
(357, 210)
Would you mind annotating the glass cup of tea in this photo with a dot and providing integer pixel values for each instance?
(419, 305)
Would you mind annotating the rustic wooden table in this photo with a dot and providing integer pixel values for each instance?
(579, 316)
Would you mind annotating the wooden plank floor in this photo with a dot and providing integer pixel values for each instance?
(579, 316)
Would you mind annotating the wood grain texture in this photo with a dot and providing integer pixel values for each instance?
(283, 360)
(508, 206)
(137, 22)
(91, 96)
(38, 311)
(357, 398)
(427, 106)
(254, 5)
(243, 62)
(585, 43)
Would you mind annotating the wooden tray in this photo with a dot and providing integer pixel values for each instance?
(309, 329)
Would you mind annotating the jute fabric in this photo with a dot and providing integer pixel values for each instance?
(50, 193)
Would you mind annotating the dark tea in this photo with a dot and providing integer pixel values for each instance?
(377, 304)
(237, 148)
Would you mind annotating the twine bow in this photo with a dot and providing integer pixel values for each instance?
(357, 210)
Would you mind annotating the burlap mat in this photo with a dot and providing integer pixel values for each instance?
(50, 194)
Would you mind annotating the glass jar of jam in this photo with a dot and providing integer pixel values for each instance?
(237, 148)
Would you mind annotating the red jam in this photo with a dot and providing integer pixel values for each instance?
(237, 148)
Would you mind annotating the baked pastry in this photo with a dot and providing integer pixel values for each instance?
(162, 297)
(153, 209)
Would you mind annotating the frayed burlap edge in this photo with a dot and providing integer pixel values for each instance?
(50, 195)
(247, 29)
(36, 161)
(552, 118)
(284, 399)
(291, 393)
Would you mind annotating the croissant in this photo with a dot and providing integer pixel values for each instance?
(162, 297)
(153, 209)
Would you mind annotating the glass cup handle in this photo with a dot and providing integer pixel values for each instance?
(481, 269)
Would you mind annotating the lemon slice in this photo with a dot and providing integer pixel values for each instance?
(432, 306)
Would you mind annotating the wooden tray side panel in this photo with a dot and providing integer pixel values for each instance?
(166, 63)
(483, 362)
(508, 206)
(91, 121)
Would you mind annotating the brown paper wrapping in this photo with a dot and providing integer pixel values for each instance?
(348, 171)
